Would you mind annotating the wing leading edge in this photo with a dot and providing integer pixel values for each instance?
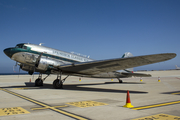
(102, 66)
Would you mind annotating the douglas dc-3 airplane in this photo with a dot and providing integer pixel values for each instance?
(45, 60)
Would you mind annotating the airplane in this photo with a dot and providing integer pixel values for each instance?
(37, 58)
(177, 68)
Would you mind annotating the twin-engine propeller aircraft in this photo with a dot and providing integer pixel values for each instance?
(45, 60)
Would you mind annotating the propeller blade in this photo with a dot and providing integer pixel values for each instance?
(14, 67)
(38, 59)
(33, 72)
(19, 71)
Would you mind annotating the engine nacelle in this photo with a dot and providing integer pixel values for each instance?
(44, 63)
(26, 67)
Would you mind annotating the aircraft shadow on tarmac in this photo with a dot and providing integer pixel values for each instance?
(124, 83)
(81, 87)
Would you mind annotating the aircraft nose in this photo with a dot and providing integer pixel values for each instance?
(7, 51)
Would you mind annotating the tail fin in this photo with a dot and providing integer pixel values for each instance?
(177, 67)
(125, 55)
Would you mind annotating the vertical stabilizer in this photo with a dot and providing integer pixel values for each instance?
(178, 68)
(125, 55)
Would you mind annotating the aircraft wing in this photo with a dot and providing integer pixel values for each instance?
(102, 66)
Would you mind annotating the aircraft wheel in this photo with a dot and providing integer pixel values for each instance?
(38, 82)
(120, 81)
(57, 84)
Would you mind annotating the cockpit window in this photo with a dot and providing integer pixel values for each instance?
(21, 46)
(24, 47)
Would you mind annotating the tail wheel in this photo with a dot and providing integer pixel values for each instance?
(38, 82)
(57, 84)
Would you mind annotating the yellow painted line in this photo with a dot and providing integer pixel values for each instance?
(42, 108)
(69, 114)
(46, 106)
(13, 111)
(159, 117)
(175, 93)
(156, 105)
(83, 104)
(60, 106)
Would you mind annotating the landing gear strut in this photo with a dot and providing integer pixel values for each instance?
(39, 81)
(58, 83)
(120, 81)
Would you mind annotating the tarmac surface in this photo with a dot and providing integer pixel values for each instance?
(153, 98)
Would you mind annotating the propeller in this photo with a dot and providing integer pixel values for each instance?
(36, 64)
(33, 69)
(38, 59)
(33, 72)
(14, 67)
(19, 71)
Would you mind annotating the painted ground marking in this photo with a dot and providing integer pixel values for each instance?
(83, 104)
(42, 108)
(177, 78)
(156, 105)
(159, 117)
(72, 115)
(176, 93)
(13, 111)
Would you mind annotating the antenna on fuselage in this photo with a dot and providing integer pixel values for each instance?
(41, 44)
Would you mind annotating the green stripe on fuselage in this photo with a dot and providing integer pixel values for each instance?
(28, 50)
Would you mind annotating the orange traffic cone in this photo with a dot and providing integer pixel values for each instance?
(30, 80)
(128, 101)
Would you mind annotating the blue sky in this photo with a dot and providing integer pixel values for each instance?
(103, 29)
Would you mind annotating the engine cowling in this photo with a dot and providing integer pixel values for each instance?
(44, 63)
(26, 67)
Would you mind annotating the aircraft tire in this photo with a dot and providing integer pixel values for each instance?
(38, 82)
(57, 84)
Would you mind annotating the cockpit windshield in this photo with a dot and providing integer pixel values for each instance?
(21, 46)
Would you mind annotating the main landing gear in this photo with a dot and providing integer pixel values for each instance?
(57, 84)
(39, 81)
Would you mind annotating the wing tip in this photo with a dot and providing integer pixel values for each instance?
(171, 55)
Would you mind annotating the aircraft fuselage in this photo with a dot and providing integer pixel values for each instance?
(27, 55)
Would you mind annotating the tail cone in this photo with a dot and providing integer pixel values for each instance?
(128, 101)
